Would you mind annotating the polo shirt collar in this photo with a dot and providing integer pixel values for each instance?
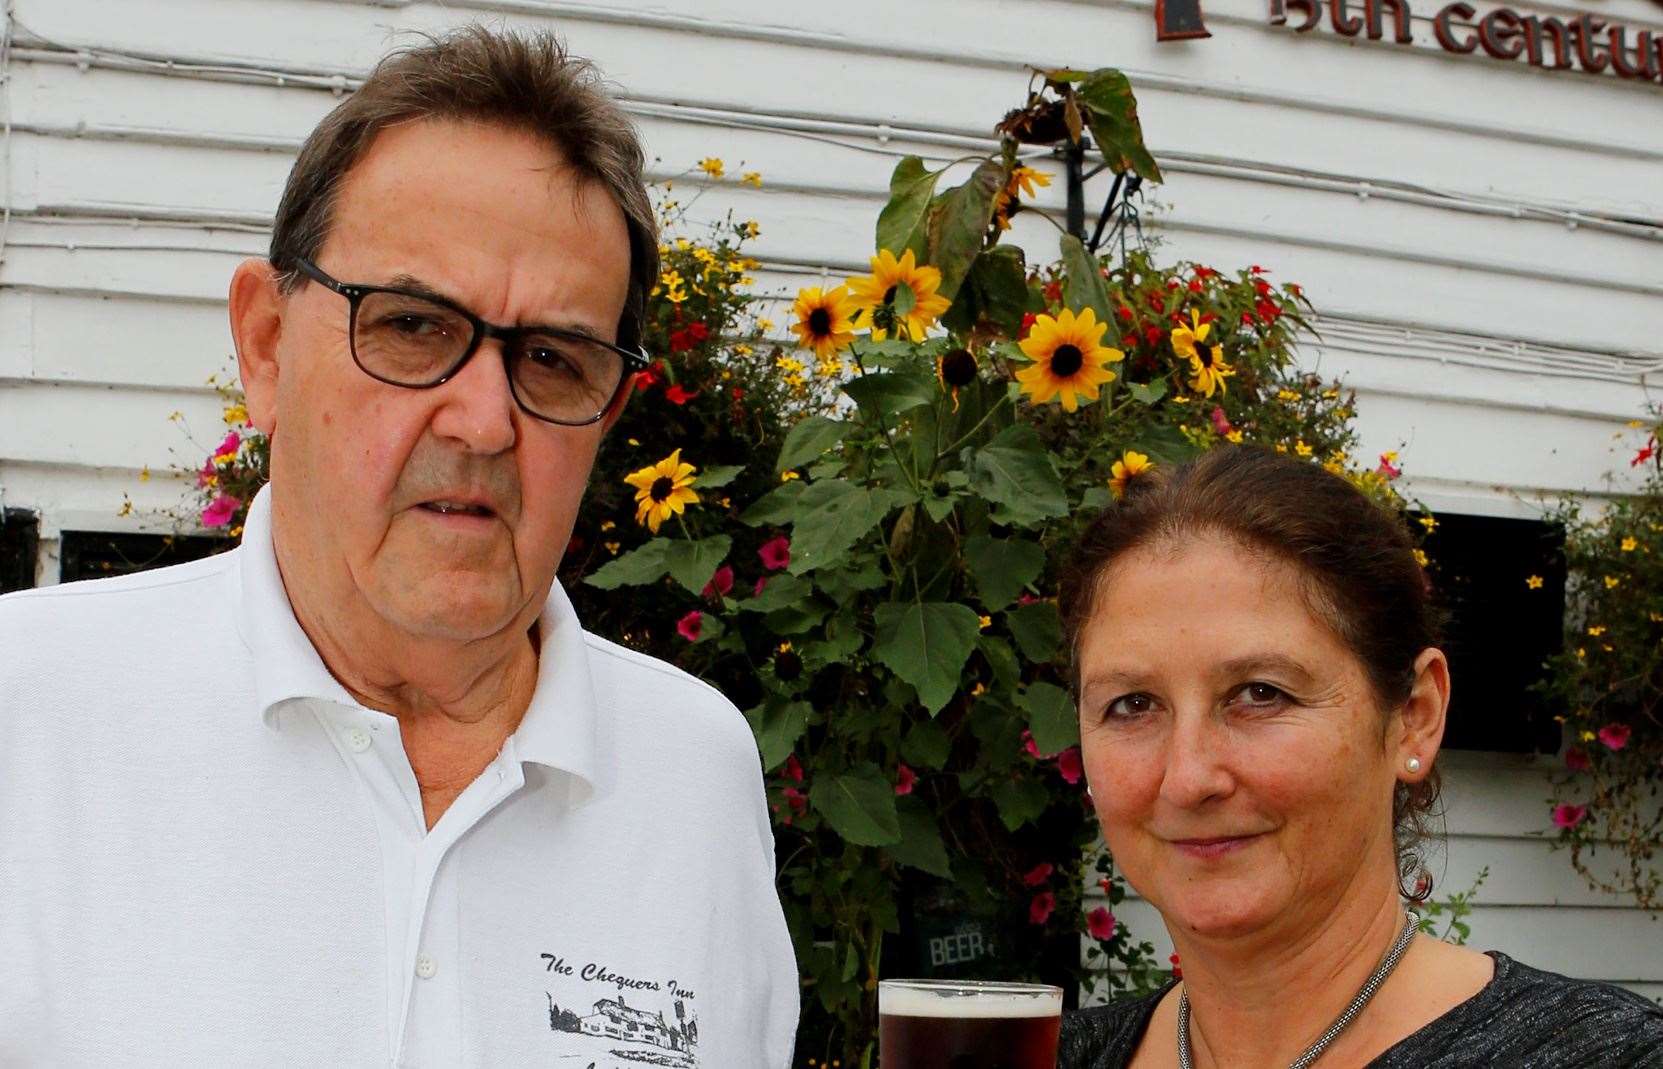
(559, 726)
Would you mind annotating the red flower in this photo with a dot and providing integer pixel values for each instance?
(679, 341)
(1027, 324)
(1615, 736)
(688, 626)
(1387, 468)
(1153, 334)
(797, 800)
(1026, 599)
(761, 585)
(1268, 311)
(1039, 910)
(1195, 285)
(1261, 287)
(1569, 816)
(1053, 292)
(775, 553)
(1069, 766)
(1173, 283)
(794, 768)
(1100, 923)
(1577, 759)
(1256, 270)
(1221, 422)
(1204, 272)
(1247, 319)
(1037, 875)
(1029, 746)
(721, 583)
(1129, 341)
(698, 331)
(1125, 313)
(738, 393)
(1645, 454)
(1177, 970)
(679, 395)
(904, 779)
(1294, 288)
(1104, 884)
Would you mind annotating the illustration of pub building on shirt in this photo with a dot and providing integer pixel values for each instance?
(613, 1019)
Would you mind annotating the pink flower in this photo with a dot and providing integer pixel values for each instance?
(1387, 468)
(904, 779)
(761, 585)
(1100, 923)
(1576, 759)
(1221, 423)
(1029, 746)
(1615, 736)
(794, 768)
(796, 799)
(1039, 910)
(1037, 875)
(1569, 816)
(220, 512)
(1026, 599)
(720, 585)
(775, 553)
(689, 626)
(228, 448)
(1068, 765)
(206, 474)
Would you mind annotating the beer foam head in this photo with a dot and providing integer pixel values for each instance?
(968, 1000)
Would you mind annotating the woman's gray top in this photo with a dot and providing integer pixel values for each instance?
(1523, 1019)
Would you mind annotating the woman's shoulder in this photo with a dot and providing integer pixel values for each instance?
(1534, 1019)
(1105, 1037)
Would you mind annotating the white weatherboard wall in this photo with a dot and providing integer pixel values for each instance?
(1482, 240)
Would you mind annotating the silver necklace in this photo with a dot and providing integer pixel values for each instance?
(1314, 1051)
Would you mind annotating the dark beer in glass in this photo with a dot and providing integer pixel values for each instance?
(961, 1024)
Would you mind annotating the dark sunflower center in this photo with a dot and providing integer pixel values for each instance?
(662, 488)
(1066, 361)
(889, 295)
(1206, 353)
(819, 322)
(958, 368)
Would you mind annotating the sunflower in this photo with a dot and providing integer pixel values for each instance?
(1024, 179)
(1128, 467)
(1208, 368)
(662, 490)
(1068, 361)
(898, 295)
(823, 320)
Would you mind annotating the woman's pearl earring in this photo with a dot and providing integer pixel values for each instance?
(1413, 765)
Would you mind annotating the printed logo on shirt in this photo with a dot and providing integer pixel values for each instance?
(604, 1019)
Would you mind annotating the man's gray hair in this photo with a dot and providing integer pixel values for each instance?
(519, 81)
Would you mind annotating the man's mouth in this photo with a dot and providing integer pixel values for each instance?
(458, 508)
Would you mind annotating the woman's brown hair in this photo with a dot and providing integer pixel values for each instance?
(1359, 564)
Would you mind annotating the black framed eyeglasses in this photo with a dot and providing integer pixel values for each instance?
(407, 337)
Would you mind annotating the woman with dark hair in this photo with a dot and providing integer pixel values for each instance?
(1262, 699)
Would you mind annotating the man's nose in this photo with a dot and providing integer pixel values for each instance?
(1197, 760)
(477, 407)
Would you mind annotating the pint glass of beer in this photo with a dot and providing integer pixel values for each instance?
(962, 1024)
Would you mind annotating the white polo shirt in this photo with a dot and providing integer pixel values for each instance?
(210, 855)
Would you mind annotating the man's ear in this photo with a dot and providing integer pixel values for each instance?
(256, 306)
(1421, 721)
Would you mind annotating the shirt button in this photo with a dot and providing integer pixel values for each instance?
(426, 967)
(357, 740)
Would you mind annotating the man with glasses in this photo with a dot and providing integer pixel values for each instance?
(362, 791)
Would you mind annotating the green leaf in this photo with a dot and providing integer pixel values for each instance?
(1019, 802)
(842, 584)
(921, 845)
(1002, 567)
(775, 507)
(716, 478)
(796, 619)
(1014, 471)
(859, 805)
(926, 745)
(1095, 499)
(1148, 392)
(901, 224)
(830, 516)
(996, 289)
(777, 724)
(939, 508)
(1167, 445)
(1112, 114)
(781, 592)
(1083, 285)
(904, 300)
(926, 645)
(957, 223)
(638, 567)
(808, 439)
(882, 394)
(693, 563)
(1037, 629)
(1007, 671)
(1052, 717)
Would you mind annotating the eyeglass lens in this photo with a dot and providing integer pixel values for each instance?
(410, 341)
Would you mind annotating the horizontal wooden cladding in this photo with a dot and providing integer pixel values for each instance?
(1277, 146)
(75, 498)
(1370, 261)
(895, 73)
